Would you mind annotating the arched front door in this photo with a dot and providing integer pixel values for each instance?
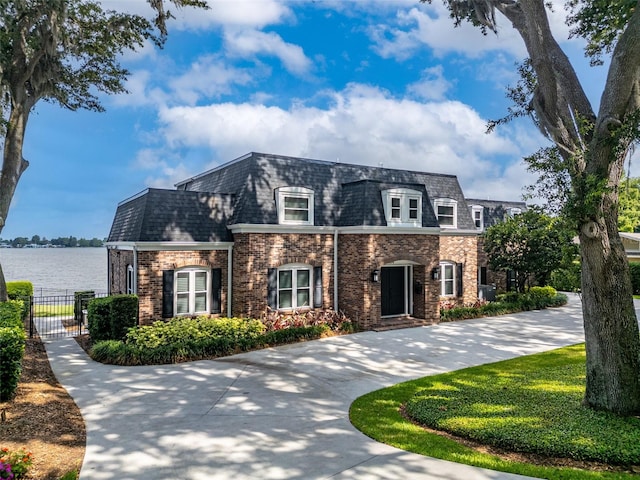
(395, 282)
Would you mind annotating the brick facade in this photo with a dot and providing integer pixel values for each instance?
(255, 253)
(118, 261)
(360, 254)
(151, 264)
(463, 249)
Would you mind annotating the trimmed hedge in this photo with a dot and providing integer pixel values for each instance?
(12, 343)
(21, 290)
(634, 268)
(109, 318)
(185, 339)
(537, 298)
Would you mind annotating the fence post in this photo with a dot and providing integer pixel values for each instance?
(31, 307)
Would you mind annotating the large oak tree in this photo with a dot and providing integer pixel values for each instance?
(65, 52)
(590, 147)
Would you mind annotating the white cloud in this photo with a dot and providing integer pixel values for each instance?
(165, 174)
(432, 84)
(249, 43)
(364, 125)
(208, 77)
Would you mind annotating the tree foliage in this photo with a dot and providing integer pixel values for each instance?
(629, 217)
(532, 244)
(66, 52)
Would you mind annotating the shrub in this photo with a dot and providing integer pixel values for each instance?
(21, 290)
(568, 279)
(98, 319)
(80, 302)
(275, 320)
(123, 315)
(543, 292)
(12, 340)
(634, 269)
(110, 318)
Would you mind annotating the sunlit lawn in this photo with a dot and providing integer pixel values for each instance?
(530, 404)
(52, 310)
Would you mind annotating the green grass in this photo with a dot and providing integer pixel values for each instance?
(52, 310)
(532, 403)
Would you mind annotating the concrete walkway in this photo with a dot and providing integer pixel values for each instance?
(282, 413)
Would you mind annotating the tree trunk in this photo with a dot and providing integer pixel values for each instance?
(13, 165)
(610, 324)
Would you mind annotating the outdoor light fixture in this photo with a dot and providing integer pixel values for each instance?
(435, 273)
(375, 276)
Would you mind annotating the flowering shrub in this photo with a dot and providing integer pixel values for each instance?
(274, 320)
(14, 465)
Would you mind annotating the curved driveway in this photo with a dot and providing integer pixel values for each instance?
(282, 413)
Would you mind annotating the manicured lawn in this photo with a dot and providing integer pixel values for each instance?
(53, 310)
(530, 404)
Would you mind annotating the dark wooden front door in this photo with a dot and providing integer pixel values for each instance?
(393, 290)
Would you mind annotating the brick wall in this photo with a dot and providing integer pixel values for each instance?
(499, 279)
(152, 264)
(463, 249)
(360, 254)
(255, 253)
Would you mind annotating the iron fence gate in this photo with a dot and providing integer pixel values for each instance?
(60, 315)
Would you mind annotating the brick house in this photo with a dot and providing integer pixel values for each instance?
(269, 231)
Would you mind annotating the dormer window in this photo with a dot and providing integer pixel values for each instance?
(402, 207)
(295, 205)
(447, 212)
(477, 214)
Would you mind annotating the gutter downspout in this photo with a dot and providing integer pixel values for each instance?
(335, 270)
(229, 278)
(135, 270)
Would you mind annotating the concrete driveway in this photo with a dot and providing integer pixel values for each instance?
(282, 413)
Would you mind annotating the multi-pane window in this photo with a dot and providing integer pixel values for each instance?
(446, 211)
(191, 291)
(403, 207)
(447, 279)
(294, 287)
(296, 209)
(295, 205)
(478, 220)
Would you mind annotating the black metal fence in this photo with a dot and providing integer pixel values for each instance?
(60, 315)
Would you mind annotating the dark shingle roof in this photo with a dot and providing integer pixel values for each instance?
(495, 211)
(339, 199)
(157, 215)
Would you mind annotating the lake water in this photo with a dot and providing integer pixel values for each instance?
(57, 271)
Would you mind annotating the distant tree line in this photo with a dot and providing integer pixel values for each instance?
(36, 240)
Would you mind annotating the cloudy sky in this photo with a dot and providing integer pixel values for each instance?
(370, 82)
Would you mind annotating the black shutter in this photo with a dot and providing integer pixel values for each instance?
(272, 288)
(459, 279)
(317, 287)
(167, 293)
(216, 290)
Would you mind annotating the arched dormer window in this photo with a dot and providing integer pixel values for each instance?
(402, 207)
(295, 205)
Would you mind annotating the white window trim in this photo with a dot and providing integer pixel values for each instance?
(296, 192)
(513, 211)
(294, 268)
(446, 202)
(192, 293)
(443, 266)
(405, 195)
(478, 209)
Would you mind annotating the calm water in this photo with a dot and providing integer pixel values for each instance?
(57, 271)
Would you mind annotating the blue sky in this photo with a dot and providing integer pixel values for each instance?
(365, 81)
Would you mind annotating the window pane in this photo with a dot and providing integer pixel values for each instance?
(284, 279)
(445, 210)
(302, 278)
(296, 202)
(448, 272)
(182, 303)
(201, 302)
(296, 215)
(413, 203)
(201, 281)
(303, 297)
(395, 202)
(182, 282)
(448, 287)
(284, 300)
